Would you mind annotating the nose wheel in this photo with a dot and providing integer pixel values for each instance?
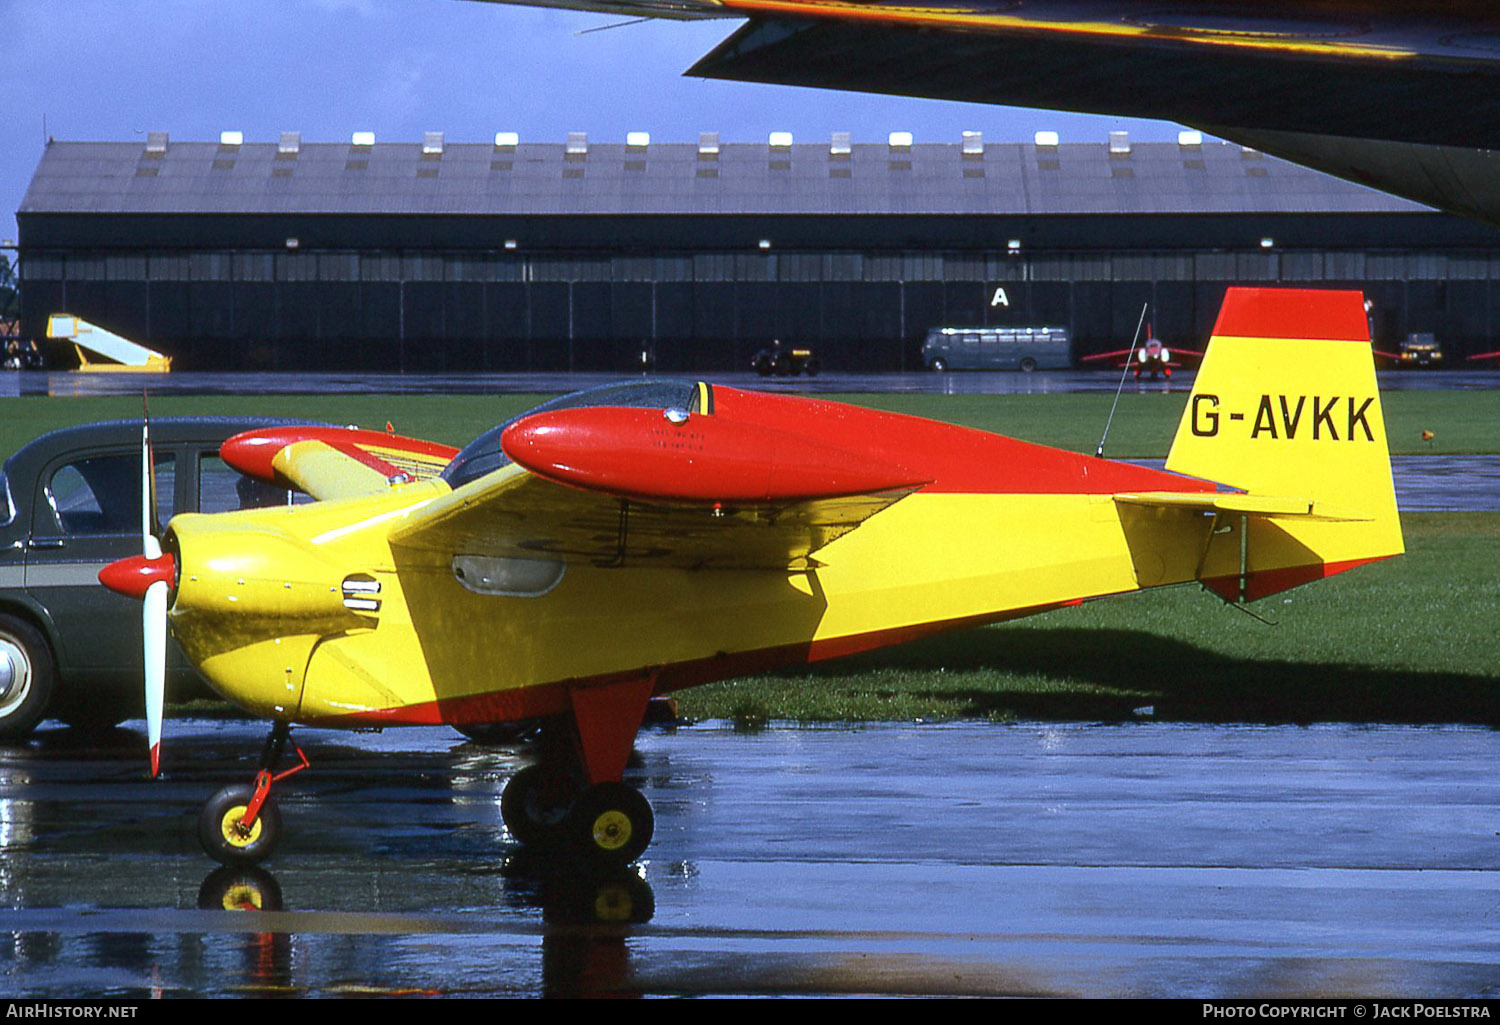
(241, 825)
(230, 835)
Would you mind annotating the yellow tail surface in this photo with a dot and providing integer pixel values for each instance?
(1286, 409)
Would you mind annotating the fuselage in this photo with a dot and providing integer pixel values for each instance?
(311, 613)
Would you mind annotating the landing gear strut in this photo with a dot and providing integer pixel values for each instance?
(241, 825)
(553, 803)
(606, 825)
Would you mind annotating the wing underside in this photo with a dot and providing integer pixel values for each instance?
(515, 514)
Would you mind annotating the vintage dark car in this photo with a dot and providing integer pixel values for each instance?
(784, 361)
(69, 648)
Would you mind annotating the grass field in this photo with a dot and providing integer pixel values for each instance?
(1461, 421)
(1406, 640)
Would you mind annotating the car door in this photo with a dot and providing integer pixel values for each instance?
(86, 513)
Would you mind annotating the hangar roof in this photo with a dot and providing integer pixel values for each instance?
(583, 178)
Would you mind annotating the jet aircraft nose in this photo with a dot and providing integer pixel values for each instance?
(132, 576)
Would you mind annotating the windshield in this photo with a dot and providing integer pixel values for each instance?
(483, 455)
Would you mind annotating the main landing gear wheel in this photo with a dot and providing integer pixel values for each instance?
(225, 837)
(534, 805)
(610, 824)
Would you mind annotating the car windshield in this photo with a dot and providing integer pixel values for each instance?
(484, 455)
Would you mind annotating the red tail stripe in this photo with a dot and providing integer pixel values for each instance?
(1293, 313)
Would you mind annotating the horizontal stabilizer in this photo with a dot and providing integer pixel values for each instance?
(1236, 502)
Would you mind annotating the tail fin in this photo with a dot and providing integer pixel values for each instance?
(1285, 406)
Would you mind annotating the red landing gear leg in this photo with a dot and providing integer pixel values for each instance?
(241, 825)
(576, 798)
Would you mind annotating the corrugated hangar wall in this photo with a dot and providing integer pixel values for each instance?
(549, 257)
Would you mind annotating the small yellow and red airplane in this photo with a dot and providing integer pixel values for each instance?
(632, 540)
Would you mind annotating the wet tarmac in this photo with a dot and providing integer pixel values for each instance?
(1056, 382)
(1137, 860)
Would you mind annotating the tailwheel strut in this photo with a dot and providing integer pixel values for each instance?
(241, 825)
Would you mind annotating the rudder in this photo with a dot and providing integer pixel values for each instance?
(1286, 405)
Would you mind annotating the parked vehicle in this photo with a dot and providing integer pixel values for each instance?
(68, 647)
(785, 362)
(998, 348)
(1421, 349)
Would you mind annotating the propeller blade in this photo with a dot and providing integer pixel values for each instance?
(154, 632)
(154, 604)
(149, 544)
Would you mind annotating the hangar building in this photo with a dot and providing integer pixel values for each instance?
(433, 256)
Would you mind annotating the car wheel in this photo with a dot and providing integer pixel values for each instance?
(26, 677)
(1028, 365)
(939, 365)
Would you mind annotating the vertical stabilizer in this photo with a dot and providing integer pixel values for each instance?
(1286, 406)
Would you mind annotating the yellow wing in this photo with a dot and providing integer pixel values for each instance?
(334, 462)
(514, 514)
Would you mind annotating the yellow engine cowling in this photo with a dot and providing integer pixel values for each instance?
(251, 603)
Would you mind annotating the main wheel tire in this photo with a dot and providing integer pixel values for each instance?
(610, 825)
(228, 842)
(534, 805)
(27, 675)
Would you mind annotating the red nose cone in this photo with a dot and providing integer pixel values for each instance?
(131, 577)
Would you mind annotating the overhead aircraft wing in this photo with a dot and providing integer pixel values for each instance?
(1379, 69)
(334, 462)
(1373, 69)
(1398, 94)
(647, 487)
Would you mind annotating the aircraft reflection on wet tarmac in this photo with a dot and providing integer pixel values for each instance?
(1140, 859)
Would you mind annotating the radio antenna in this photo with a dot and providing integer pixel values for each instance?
(1134, 342)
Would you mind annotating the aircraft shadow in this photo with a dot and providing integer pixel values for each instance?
(1117, 672)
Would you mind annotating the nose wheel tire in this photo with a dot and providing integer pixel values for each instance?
(227, 839)
(610, 825)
